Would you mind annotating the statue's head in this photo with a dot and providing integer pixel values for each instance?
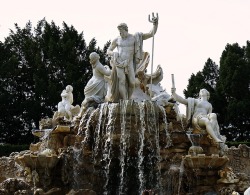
(69, 88)
(204, 92)
(123, 29)
(123, 26)
(93, 57)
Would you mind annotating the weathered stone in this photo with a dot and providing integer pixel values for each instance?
(12, 185)
(117, 146)
(82, 192)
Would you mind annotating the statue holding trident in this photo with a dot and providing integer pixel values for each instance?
(125, 61)
(152, 60)
(199, 113)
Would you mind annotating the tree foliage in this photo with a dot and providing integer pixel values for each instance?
(229, 87)
(207, 78)
(234, 89)
(36, 65)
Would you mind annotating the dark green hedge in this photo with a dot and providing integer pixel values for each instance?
(237, 143)
(7, 149)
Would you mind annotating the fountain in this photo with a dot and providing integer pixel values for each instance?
(125, 140)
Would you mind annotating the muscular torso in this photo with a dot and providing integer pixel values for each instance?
(126, 47)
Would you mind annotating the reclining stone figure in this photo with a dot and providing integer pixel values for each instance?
(199, 114)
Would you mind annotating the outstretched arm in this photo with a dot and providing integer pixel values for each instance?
(153, 31)
(178, 98)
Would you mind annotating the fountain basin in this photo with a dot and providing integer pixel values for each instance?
(37, 161)
(38, 133)
(204, 162)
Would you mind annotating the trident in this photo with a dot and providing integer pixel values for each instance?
(152, 61)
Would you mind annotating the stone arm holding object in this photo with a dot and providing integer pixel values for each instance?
(199, 113)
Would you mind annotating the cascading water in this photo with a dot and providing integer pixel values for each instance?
(45, 139)
(79, 155)
(180, 176)
(83, 121)
(194, 138)
(168, 138)
(154, 158)
(141, 146)
(76, 173)
(87, 128)
(123, 144)
(108, 142)
(98, 130)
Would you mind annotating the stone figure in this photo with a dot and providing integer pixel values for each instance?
(143, 87)
(247, 192)
(124, 61)
(160, 95)
(154, 90)
(227, 176)
(65, 107)
(96, 88)
(139, 94)
(145, 80)
(199, 114)
(67, 100)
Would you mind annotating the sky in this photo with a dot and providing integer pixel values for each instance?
(189, 31)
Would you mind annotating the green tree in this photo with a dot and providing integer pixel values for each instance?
(233, 90)
(36, 65)
(207, 78)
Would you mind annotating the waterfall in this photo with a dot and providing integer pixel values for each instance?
(141, 146)
(108, 143)
(87, 131)
(168, 138)
(123, 143)
(83, 121)
(194, 138)
(77, 158)
(98, 133)
(154, 176)
(126, 145)
(180, 175)
(81, 154)
(173, 177)
(45, 139)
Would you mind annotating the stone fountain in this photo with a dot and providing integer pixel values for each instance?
(127, 140)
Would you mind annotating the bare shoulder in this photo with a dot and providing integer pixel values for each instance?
(115, 40)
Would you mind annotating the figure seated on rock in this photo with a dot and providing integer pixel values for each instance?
(96, 88)
(199, 114)
(65, 107)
